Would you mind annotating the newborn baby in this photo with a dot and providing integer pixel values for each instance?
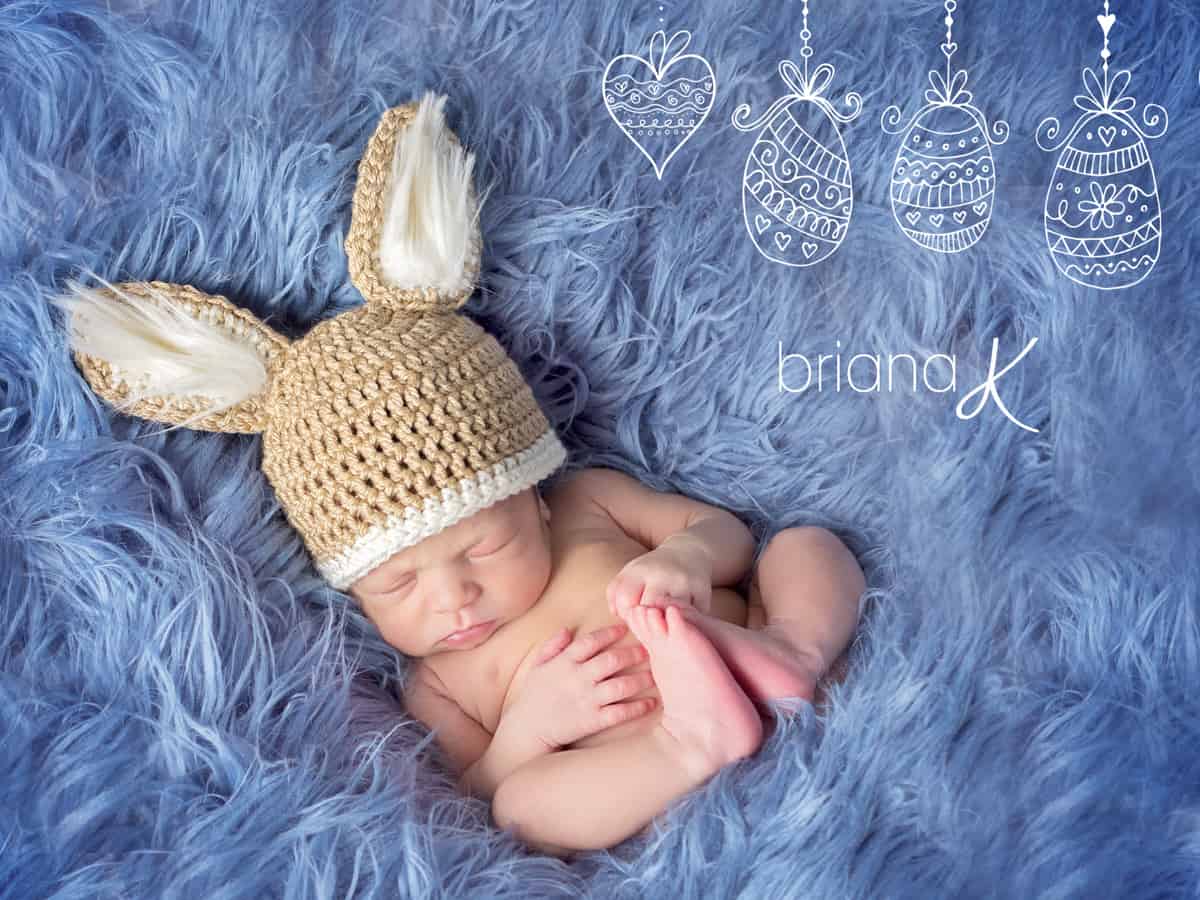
(583, 660)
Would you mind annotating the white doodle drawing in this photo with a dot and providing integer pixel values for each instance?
(659, 114)
(944, 179)
(1103, 215)
(797, 187)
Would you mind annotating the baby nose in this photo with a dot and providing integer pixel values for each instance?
(456, 593)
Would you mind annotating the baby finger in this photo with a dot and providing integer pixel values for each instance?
(615, 660)
(623, 686)
(554, 645)
(616, 713)
(594, 641)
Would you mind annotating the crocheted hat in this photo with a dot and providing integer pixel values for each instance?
(383, 425)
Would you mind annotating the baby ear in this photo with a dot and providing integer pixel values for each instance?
(170, 353)
(414, 238)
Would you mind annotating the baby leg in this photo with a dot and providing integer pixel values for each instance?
(801, 615)
(593, 798)
(809, 586)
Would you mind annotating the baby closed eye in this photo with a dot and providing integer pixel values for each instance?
(494, 549)
(401, 584)
(489, 549)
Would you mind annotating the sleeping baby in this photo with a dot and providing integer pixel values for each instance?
(589, 639)
(584, 659)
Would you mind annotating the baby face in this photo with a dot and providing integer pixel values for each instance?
(485, 570)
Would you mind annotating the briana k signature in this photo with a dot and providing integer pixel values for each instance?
(866, 373)
(989, 391)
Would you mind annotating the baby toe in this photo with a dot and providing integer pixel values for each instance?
(657, 624)
(636, 620)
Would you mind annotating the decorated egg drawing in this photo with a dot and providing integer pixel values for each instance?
(1103, 214)
(797, 185)
(944, 179)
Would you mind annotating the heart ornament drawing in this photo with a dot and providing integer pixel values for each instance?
(659, 102)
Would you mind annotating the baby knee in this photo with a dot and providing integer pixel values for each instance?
(505, 806)
(507, 815)
(800, 539)
(809, 545)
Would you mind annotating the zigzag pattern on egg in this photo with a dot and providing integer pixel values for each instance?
(1103, 216)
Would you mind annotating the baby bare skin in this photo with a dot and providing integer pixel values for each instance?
(527, 569)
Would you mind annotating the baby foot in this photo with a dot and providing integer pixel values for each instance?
(704, 711)
(769, 664)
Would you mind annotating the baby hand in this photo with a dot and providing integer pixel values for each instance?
(673, 574)
(571, 691)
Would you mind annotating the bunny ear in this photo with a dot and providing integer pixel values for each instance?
(414, 239)
(170, 353)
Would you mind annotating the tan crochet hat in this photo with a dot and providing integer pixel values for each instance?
(383, 425)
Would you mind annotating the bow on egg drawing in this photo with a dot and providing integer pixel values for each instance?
(809, 87)
(1105, 98)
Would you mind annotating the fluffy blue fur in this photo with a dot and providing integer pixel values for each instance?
(176, 684)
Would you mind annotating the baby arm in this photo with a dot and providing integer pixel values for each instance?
(592, 798)
(578, 679)
(506, 753)
(481, 760)
(694, 546)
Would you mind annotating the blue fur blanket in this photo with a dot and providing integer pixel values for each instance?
(186, 711)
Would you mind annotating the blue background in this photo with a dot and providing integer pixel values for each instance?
(175, 681)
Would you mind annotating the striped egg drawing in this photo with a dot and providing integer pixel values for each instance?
(943, 186)
(944, 181)
(797, 185)
(1103, 214)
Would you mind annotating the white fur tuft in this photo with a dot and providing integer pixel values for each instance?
(429, 215)
(160, 349)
